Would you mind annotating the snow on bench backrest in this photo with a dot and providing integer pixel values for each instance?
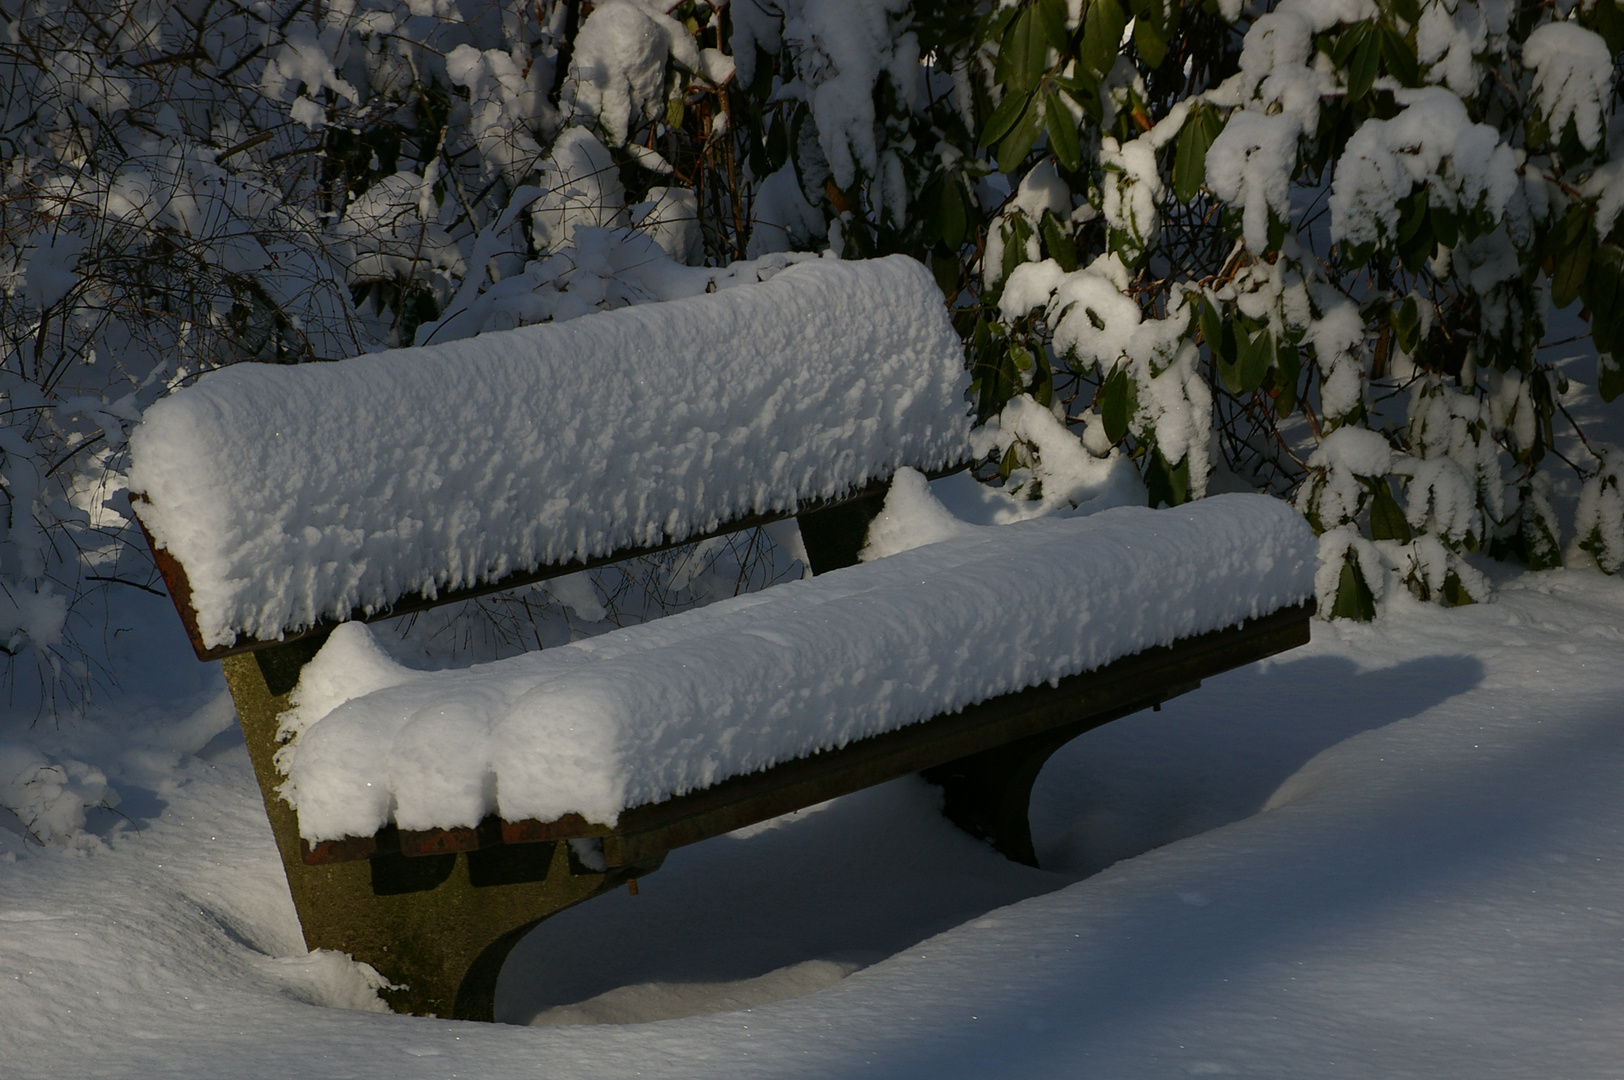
(292, 495)
(653, 711)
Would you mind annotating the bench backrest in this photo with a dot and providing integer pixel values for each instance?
(284, 499)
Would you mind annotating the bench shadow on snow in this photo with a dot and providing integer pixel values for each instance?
(1217, 755)
(793, 905)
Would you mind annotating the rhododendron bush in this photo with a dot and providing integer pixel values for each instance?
(1311, 247)
(1314, 247)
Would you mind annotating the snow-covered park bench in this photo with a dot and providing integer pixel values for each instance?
(427, 820)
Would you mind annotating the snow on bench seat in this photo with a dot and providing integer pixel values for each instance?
(646, 713)
(296, 494)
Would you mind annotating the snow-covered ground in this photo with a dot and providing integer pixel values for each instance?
(1398, 851)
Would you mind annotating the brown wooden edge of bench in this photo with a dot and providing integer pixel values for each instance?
(180, 589)
(1086, 700)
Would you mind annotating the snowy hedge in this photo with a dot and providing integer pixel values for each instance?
(1311, 247)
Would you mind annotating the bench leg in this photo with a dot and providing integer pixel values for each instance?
(988, 794)
(438, 927)
(833, 536)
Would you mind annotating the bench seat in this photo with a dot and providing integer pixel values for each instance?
(985, 757)
(643, 714)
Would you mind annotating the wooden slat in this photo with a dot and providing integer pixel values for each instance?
(440, 841)
(568, 827)
(1125, 686)
(349, 849)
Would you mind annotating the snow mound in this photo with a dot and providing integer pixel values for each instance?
(48, 797)
(646, 713)
(297, 494)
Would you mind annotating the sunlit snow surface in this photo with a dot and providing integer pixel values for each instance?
(648, 712)
(296, 493)
(1433, 891)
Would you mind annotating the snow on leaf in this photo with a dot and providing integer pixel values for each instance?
(1573, 78)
